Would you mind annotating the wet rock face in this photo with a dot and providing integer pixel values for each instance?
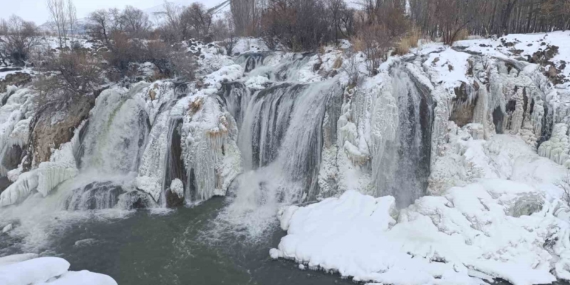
(135, 200)
(106, 195)
(4, 183)
(12, 158)
(17, 79)
(498, 118)
(173, 200)
(95, 196)
(463, 107)
(54, 124)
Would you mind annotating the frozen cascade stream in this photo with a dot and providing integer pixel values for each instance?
(285, 128)
(401, 130)
(280, 139)
(112, 146)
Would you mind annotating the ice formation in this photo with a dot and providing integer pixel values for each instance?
(209, 148)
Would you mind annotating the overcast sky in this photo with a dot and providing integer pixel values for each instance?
(36, 10)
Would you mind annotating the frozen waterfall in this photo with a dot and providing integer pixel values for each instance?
(401, 139)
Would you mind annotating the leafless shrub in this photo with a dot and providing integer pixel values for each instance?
(19, 40)
(351, 68)
(170, 60)
(183, 65)
(224, 32)
(73, 72)
(374, 42)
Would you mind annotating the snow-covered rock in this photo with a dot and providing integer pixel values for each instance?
(27, 269)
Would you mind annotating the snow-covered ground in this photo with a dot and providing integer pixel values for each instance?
(524, 46)
(510, 222)
(25, 269)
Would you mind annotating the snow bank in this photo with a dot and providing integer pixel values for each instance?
(82, 277)
(448, 68)
(26, 269)
(442, 240)
(33, 270)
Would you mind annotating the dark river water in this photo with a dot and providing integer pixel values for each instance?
(181, 247)
(185, 246)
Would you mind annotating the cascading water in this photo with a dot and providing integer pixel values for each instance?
(251, 60)
(400, 135)
(280, 139)
(110, 146)
(117, 133)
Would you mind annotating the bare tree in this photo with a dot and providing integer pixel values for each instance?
(101, 25)
(196, 21)
(71, 17)
(58, 13)
(3, 27)
(224, 31)
(171, 29)
(184, 23)
(244, 16)
(135, 22)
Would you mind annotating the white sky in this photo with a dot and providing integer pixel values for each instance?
(36, 10)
